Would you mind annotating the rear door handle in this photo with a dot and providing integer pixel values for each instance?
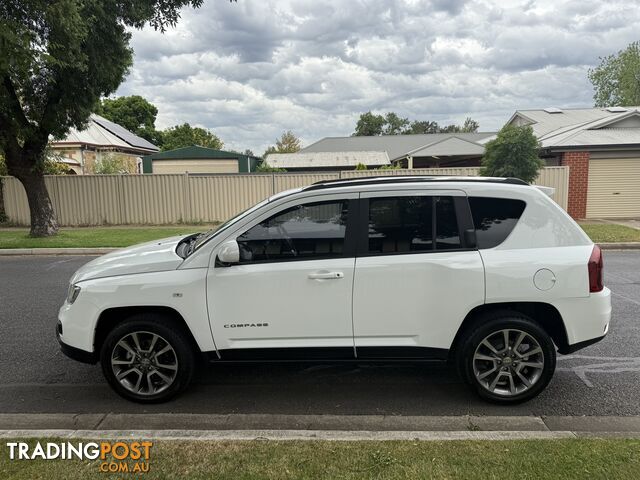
(326, 275)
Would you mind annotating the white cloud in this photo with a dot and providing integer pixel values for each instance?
(250, 70)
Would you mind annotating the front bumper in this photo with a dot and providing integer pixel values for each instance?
(73, 352)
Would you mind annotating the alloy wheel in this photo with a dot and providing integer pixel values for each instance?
(144, 363)
(508, 362)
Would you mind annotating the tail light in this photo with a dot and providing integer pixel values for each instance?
(595, 270)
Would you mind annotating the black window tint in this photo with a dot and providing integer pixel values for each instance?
(447, 233)
(400, 224)
(314, 230)
(494, 219)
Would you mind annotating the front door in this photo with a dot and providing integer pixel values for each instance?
(291, 294)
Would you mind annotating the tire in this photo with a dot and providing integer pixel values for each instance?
(153, 371)
(499, 374)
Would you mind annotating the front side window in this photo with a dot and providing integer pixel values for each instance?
(303, 232)
(410, 224)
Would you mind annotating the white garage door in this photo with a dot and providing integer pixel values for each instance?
(614, 188)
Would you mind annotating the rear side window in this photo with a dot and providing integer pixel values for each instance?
(410, 224)
(494, 219)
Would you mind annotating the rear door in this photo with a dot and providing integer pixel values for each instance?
(415, 278)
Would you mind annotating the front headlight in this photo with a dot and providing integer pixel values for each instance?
(73, 293)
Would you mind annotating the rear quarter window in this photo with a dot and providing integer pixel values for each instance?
(494, 218)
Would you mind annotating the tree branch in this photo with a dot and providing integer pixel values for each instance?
(14, 103)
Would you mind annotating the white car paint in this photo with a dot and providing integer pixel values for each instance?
(401, 301)
(156, 256)
(404, 300)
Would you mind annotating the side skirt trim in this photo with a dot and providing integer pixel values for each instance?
(332, 354)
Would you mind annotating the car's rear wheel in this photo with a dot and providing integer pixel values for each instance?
(147, 359)
(507, 358)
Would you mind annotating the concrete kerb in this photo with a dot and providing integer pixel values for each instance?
(314, 427)
(283, 435)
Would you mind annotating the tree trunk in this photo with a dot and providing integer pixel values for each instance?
(23, 164)
(43, 217)
(3, 214)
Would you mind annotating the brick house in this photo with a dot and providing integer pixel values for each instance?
(81, 150)
(601, 147)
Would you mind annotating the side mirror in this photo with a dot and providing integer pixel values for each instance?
(470, 240)
(229, 253)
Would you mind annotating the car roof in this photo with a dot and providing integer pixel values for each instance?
(404, 179)
(480, 185)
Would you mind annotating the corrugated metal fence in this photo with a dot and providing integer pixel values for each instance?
(162, 199)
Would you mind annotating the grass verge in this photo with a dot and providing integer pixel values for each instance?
(609, 232)
(87, 237)
(522, 459)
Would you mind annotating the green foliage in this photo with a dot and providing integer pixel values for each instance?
(513, 153)
(134, 113)
(616, 81)
(287, 143)
(52, 166)
(391, 124)
(361, 166)
(270, 149)
(393, 166)
(394, 125)
(369, 124)
(57, 59)
(53, 163)
(113, 164)
(470, 126)
(185, 136)
(423, 126)
(265, 167)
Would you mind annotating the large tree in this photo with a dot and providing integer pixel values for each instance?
(513, 153)
(57, 59)
(134, 113)
(616, 81)
(371, 124)
(185, 136)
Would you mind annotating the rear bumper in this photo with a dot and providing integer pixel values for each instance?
(73, 352)
(579, 346)
(586, 320)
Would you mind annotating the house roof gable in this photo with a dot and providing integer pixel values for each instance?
(100, 132)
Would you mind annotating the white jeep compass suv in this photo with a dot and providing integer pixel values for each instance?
(489, 273)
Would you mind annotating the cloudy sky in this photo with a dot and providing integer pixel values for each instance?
(252, 69)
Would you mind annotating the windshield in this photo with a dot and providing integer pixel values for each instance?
(206, 236)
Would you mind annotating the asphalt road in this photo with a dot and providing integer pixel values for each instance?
(603, 379)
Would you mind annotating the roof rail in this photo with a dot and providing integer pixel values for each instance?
(347, 182)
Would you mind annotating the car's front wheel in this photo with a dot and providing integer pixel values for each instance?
(147, 359)
(508, 358)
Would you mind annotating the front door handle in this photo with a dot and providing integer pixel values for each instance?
(326, 275)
